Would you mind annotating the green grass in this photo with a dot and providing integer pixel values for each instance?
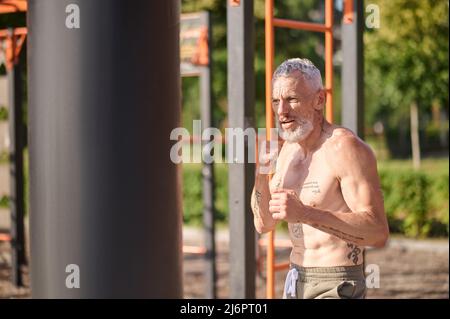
(428, 165)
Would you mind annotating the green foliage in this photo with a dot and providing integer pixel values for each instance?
(405, 198)
(192, 193)
(4, 201)
(416, 203)
(406, 60)
(4, 157)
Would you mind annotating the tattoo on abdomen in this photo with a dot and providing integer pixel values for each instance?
(314, 186)
(297, 230)
(354, 253)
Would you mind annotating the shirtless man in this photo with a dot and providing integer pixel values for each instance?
(325, 186)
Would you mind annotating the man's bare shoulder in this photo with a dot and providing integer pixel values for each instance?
(343, 148)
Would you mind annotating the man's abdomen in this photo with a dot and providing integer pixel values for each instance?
(315, 248)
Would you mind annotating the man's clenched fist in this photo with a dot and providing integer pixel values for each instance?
(285, 205)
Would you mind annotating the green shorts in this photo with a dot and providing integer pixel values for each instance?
(344, 282)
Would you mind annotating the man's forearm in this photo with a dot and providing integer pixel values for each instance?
(260, 205)
(361, 228)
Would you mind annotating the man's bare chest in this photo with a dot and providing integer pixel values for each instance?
(312, 179)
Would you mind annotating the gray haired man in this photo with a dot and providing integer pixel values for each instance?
(325, 186)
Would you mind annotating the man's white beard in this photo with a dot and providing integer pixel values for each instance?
(302, 131)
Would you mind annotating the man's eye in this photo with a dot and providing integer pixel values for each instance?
(293, 101)
(275, 102)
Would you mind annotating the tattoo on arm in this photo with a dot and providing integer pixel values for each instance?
(256, 203)
(354, 253)
(258, 197)
(338, 233)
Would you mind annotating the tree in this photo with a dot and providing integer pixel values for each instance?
(406, 60)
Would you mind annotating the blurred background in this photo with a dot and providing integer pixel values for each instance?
(405, 69)
(405, 64)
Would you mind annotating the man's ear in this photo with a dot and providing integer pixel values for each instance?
(319, 101)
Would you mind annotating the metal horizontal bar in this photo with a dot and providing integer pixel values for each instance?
(281, 266)
(9, 6)
(198, 250)
(5, 237)
(300, 25)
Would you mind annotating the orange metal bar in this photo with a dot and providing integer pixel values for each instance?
(281, 266)
(299, 25)
(348, 11)
(270, 23)
(329, 59)
(194, 250)
(10, 6)
(19, 44)
(14, 40)
(269, 39)
(5, 237)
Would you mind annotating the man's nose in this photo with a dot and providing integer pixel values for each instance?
(283, 108)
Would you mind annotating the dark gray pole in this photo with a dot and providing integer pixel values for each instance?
(208, 176)
(353, 71)
(103, 99)
(241, 98)
(16, 145)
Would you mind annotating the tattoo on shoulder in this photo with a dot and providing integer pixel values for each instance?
(354, 253)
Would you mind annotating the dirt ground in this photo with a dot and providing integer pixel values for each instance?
(408, 269)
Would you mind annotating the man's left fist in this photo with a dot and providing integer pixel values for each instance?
(285, 205)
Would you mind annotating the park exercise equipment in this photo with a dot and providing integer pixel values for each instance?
(352, 83)
(78, 179)
(12, 41)
(195, 60)
(241, 103)
(200, 67)
(327, 28)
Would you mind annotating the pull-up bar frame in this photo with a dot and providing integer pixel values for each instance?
(270, 24)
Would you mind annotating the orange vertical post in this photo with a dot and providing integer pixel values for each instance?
(269, 46)
(327, 28)
(329, 58)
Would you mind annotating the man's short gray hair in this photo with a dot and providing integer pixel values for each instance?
(308, 70)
